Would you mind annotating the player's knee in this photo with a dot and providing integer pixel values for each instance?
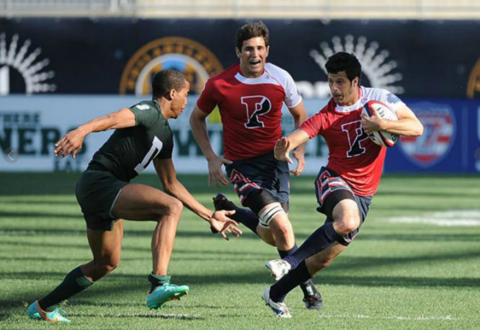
(346, 225)
(107, 266)
(281, 227)
(174, 207)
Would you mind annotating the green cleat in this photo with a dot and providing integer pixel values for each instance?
(37, 313)
(164, 293)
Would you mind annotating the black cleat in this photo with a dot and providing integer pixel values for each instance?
(313, 300)
(221, 202)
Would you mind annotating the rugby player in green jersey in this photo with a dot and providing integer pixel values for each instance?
(142, 134)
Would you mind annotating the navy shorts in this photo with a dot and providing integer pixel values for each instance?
(330, 188)
(264, 172)
(97, 192)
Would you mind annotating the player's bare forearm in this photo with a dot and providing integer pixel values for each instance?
(121, 119)
(298, 138)
(406, 127)
(299, 116)
(218, 220)
(407, 123)
(178, 190)
(199, 131)
(168, 176)
(72, 142)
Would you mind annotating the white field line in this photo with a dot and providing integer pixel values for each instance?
(452, 218)
(399, 318)
(139, 315)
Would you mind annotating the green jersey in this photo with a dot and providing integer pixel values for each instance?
(130, 150)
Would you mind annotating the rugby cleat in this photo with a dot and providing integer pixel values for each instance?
(221, 202)
(279, 309)
(164, 293)
(313, 300)
(278, 268)
(37, 313)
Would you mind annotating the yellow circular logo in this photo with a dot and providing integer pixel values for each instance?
(193, 59)
(473, 89)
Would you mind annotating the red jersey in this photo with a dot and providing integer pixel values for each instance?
(351, 153)
(250, 108)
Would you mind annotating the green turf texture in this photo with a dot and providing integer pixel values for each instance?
(394, 276)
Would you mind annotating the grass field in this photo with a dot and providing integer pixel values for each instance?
(398, 274)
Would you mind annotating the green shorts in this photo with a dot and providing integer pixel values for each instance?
(97, 192)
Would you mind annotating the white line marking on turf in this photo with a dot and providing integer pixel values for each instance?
(145, 315)
(399, 318)
(452, 218)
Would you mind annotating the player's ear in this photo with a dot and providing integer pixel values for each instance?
(238, 52)
(268, 51)
(355, 82)
(170, 95)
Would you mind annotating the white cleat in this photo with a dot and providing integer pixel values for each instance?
(279, 309)
(278, 268)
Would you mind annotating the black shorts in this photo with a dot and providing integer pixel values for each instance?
(97, 192)
(330, 188)
(264, 172)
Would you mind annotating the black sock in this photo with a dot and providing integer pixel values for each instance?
(157, 280)
(73, 283)
(295, 277)
(304, 286)
(284, 254)
(321, 239)
(246, 217)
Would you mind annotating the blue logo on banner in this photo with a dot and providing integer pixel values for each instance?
(439, 131)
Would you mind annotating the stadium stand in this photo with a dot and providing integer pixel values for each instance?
(289, 9)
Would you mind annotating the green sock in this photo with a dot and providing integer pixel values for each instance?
(158, 280)
(73, 283)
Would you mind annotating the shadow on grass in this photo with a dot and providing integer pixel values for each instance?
(117, 285)
(41, 215)
(300, 236)
(52, 203)
(23, 232)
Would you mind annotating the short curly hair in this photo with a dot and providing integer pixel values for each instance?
(249, 31)
(347, 62)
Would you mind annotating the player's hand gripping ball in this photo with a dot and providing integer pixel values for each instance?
(382, 138)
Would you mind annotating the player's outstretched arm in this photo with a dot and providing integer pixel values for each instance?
(218, 220)
(72, 142)
(199, 130)
(286, 144)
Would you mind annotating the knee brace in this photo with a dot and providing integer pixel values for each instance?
(267, 215)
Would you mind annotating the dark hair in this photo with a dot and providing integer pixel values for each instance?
(249, 31)
(344, 62)
(166, 80)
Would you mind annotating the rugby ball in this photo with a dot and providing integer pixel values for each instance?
(382, 138)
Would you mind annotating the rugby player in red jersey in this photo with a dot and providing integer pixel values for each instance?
(344, 188)
(250, 96)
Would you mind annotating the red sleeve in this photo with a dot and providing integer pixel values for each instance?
(313, 125)
(207, 101)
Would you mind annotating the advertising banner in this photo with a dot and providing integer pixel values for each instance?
(29, 127)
